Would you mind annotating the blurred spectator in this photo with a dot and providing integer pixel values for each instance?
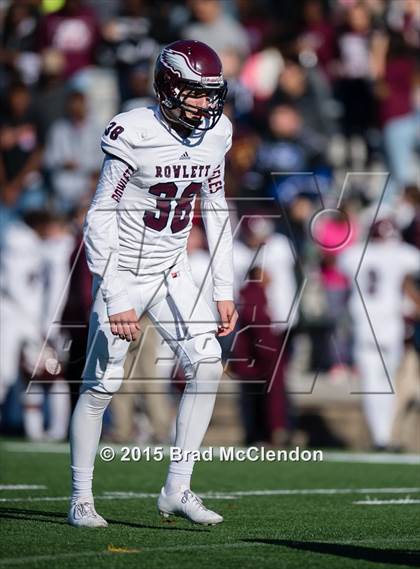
(255, 18)
(261, 70)
(75, 317)
(72, 155)
(239, 98)
(18, 45)
(33, 274)
(265, 284)
(21, 141)
(139, 84)
(51, 92)
(376, 309)
(259, 361)
(318, 35)
(261, 246)
(21, 303)
(240, 178)
(216, 29)
(289, 149)
(334, 233)
(73, 34)
(408, 216)
(130, 49)
(306, 90)
(353, 72)
(394, 54)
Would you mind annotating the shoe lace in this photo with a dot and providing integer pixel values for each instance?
(85, 509)
(188, 495)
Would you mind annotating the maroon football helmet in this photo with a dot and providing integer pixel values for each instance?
(188, 68)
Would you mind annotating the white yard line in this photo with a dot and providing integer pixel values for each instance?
(22, 487)
(228, 495)
(314, 491)
(402, 501)
(47, 448)
(372, 458)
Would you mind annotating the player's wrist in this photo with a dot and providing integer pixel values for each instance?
(115, 305)
(222, 293)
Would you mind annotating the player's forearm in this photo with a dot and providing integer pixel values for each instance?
(101, 239)
(219, 237)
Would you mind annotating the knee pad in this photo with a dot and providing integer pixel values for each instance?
(202, 353)
(201, 347)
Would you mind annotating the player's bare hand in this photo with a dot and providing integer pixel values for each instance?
(228, 317)
(125, 325)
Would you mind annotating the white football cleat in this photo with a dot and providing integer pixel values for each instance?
(82, 514)
(188, 505)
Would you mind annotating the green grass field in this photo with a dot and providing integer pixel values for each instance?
(311, 515)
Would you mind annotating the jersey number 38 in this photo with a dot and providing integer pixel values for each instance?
(165, 192)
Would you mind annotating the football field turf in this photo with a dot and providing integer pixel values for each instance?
(277, 514)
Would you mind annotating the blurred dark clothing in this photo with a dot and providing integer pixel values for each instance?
(353, 86)
(411, 234)
(298, 153)
(397, 99)
(50, 103)
(19, 138)
(128, 46)
(20, 28)
(76, 318)
(79, 300)
(314, 103)
(320, 37)
(259, 363)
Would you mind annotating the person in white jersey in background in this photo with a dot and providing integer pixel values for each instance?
(376, 307)
(158, 160)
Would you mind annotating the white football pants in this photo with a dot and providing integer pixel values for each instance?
(174, 304)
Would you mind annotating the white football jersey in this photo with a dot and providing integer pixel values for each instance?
(141, 214)
(22, 275)
(383, 268)
(276, 258)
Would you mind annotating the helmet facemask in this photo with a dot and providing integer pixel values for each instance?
(176, 108)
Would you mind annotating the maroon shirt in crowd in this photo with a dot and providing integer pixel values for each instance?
(75, 34)
(398, 99)
(257, 343)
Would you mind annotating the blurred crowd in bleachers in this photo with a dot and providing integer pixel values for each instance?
(324, 96)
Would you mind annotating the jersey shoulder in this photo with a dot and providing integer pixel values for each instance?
(223, 130)
(127, 131)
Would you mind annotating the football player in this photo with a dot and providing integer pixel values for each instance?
(380, 274)
(157, 161)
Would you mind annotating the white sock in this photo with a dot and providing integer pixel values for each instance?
(85, 432)
(81, 484)
(194, 414)
(179, 476)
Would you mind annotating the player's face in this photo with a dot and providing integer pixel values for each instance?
(196, 100)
